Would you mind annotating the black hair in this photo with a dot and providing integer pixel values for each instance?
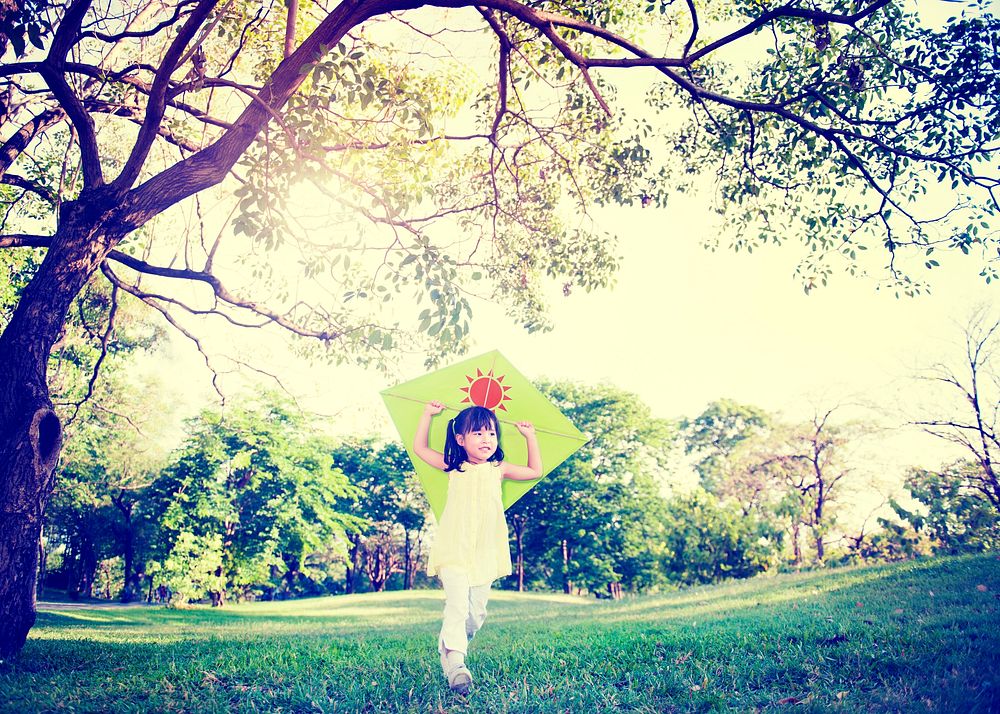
(468, 420)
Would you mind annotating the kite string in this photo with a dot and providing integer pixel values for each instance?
(502, 421)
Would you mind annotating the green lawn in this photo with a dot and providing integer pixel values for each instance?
(915, 637)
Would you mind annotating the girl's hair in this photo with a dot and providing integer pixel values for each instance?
(468, 420)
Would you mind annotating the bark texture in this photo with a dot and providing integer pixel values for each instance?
(31, 446)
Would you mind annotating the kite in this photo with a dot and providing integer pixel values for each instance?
(488, 381)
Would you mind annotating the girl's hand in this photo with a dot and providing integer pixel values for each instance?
(420, 447)
(534, 468)
(526, 428)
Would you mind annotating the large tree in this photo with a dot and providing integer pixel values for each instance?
(950, 511)
(713, 435)
(390, 508)
(833, 120)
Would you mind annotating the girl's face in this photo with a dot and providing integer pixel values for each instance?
(479, 444)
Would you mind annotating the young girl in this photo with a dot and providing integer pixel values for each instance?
(471, 548)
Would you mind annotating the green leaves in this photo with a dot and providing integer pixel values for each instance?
(595, 518)
(25, 26)
(707, 540)
(257, 488)
(957, 518)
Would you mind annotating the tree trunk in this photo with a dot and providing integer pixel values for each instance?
(29, 448)
(30, 430)
(84, 570)
(567, 583)
(520, 563)
(407, 564)
(519, 523)
(106, 577)
(132, 589)
(796, 546)
(352, 567)
(818, 521)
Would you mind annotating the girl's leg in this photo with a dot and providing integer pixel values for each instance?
(478, 596)
(452, 642)
(456, 612)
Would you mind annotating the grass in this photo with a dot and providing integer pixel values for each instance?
(913, 637)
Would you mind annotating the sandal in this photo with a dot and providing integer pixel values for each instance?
(459, 679)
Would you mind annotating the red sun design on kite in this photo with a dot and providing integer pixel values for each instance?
(486, 390)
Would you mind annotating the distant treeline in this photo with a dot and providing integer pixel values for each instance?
(257, 504)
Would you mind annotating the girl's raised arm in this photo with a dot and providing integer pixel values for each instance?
(534, 468)
(420, 447)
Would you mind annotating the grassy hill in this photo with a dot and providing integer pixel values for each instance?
(914, 637)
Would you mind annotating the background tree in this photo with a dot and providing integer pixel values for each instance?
(949, 510)
(793, 473)
(248, 494)
(972, 390)
(705, 539)
(584, 525)
(814, 466)
(114, 114)
(713, 435)
(390, 508)
(101, 484)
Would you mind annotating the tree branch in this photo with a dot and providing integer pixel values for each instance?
(502, 70)
(178, 9)
(15, 145)
(116, 281)
(222, 293)
(158, 95)
(28, 185)
(156, 105)
(105, 341)
(24, 240)
(694, 28)
(293, 9)
(134, 114)
(210, 165)
(52, 71)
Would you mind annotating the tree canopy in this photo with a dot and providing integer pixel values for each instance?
(249, 494)
(589, 523)
(833, 123)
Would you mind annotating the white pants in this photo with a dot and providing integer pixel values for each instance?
(464, 609)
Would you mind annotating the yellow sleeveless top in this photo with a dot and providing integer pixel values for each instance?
(472, 534)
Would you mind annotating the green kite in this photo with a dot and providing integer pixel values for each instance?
(489, 381)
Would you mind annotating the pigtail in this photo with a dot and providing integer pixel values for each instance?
(454, 455)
